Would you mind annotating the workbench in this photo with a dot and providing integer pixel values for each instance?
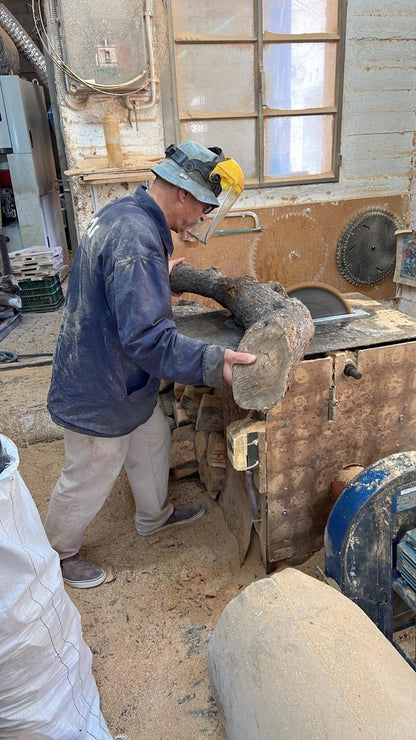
(326, 421)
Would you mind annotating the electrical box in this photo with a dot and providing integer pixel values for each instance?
(103, 40)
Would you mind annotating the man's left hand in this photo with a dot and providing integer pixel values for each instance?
(232, 358)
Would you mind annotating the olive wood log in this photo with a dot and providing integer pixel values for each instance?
(278, 330)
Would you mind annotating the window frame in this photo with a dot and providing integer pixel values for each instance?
(263, 112)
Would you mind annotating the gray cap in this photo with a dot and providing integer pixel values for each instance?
(177, 172)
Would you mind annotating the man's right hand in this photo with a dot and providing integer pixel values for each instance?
(232, 358)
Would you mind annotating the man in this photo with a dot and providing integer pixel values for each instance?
(117, 340)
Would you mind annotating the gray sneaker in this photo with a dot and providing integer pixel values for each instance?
(80, 573)
(182, 515)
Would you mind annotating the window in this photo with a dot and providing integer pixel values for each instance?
(264, 80)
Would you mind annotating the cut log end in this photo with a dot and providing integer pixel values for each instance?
(261, 385)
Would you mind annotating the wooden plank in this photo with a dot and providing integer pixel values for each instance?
(235, 506)
(123, 176)
(309, 440)
(131, 160)
(297, 506)
(234, 499)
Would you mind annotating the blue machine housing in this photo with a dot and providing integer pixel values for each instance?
(366, 523)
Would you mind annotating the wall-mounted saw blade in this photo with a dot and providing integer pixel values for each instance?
(366, 250)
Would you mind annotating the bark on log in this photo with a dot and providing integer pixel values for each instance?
(278, 330)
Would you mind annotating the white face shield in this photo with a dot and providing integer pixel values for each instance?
(232, 184)
(204, 229)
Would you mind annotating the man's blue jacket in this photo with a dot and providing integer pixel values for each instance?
(118, 337)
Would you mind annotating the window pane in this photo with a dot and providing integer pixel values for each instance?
(300, 75)
(213, 17)
(236, 138)
(207, 78)
(298, 146)
(300, 16)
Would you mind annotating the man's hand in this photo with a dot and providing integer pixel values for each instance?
(174, 262)
(232, 358)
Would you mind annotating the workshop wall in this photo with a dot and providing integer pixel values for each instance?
(300, 225)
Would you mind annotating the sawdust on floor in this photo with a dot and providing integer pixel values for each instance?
(149, 624)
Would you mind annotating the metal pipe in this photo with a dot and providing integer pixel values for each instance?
(23, 42)
(149, 37)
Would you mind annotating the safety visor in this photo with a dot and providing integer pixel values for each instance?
(232, 185)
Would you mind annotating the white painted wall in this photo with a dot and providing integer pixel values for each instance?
(378, 126)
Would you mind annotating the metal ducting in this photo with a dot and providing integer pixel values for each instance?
(23, 42)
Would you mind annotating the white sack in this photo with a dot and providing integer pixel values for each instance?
(47, 690)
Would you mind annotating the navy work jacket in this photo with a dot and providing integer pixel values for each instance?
(118, 337)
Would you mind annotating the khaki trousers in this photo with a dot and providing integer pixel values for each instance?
(92, 466)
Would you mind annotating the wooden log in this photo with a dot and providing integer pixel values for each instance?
(203, 470)
(180, 415)
(210, 414)
(212, 478)
(178, 390)
(191, 398)
(182, 450)
(184, 471)
(216, 450)
(166, 401)
(201, 444)
(165, 386)
(278, 330)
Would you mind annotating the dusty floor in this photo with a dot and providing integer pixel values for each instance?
(149, 624)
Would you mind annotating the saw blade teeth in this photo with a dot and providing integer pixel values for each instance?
(374, 232)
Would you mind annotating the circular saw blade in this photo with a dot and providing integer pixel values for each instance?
(366, 249)
(322, 300)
